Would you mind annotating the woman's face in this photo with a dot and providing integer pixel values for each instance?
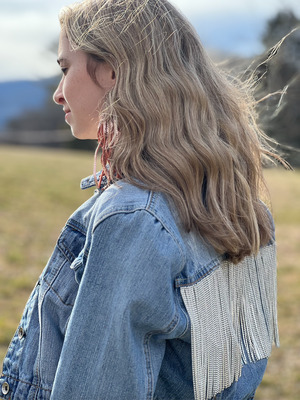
(79, 95)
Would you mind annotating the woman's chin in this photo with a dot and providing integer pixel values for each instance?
(83, 135)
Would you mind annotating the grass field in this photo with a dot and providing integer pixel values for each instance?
(40, 189)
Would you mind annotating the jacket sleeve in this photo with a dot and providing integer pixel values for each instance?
(114, 344)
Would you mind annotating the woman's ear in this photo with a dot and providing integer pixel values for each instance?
(105, 76)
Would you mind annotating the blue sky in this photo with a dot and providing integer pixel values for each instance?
(28, 28)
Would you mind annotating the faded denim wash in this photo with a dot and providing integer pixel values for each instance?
(106, 319)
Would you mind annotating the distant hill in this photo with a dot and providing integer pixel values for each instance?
(19, 96)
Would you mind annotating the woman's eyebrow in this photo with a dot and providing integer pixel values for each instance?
(61, 60)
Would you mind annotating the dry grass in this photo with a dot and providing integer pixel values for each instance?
(282, 379)
(40, 189)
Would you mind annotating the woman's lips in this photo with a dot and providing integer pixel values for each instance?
(67, 114)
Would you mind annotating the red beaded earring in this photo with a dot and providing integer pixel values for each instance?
(107, 136)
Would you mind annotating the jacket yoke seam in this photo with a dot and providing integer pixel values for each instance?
(148, 210)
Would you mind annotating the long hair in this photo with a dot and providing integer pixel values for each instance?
(182, 127)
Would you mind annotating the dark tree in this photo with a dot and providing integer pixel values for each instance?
(279, 69)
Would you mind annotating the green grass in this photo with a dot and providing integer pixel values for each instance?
(40, 189)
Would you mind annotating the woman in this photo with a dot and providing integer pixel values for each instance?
(163, 284)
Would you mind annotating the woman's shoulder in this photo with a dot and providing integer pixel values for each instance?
(125, 198)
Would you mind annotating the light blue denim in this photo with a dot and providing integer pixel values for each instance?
(106, 320)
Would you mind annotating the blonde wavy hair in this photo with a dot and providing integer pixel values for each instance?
(182, 127)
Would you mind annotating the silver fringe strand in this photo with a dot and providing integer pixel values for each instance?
(233, 317)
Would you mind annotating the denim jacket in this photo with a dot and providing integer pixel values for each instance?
(132, 307)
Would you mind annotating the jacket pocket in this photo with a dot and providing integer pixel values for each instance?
(78, 266)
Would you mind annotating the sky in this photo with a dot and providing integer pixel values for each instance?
(30, 28)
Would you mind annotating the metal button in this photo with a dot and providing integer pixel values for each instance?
(5, 388)
(21, 333)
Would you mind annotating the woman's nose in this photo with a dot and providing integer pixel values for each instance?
(58, 97)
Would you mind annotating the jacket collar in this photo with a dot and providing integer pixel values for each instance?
(89, 181)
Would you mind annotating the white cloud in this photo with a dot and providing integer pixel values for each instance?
(29, 27)
(25, 42)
